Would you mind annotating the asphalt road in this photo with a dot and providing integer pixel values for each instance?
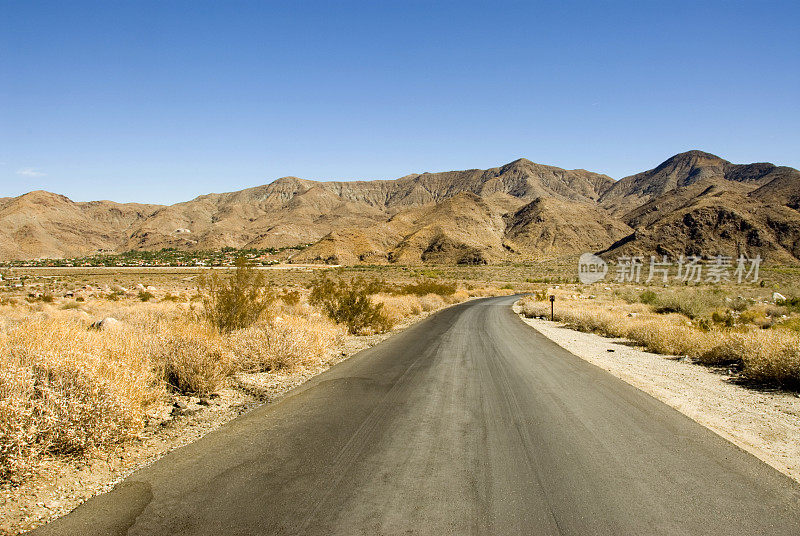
(470, 422)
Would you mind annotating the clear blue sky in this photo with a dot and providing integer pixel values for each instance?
(163, 101)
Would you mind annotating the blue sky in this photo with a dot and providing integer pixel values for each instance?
(164, 101)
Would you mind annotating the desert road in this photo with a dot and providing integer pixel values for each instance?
(469, 422)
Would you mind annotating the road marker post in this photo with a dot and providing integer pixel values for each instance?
(552, 301)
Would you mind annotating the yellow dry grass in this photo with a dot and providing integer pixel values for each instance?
(396, 308)
(68, 390)
(285, 342)
(764, 355)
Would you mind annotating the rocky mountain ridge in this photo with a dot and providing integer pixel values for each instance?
(692, 203)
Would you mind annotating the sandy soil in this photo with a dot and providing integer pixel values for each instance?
(62, 484)
(763, 422)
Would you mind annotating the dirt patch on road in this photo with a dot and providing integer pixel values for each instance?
(764, 422)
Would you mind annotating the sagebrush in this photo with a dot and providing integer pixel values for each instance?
(235, 301)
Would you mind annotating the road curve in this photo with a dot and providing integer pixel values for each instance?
(469, 422)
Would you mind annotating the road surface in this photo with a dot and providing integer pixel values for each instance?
(469, 422)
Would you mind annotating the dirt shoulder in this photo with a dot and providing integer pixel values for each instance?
(763, 422)
(63, 484)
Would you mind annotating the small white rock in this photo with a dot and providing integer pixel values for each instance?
(107, 324)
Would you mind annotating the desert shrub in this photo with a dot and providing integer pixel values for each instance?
(431, 302)
(755, 315)
(458, 296)
(291, 298)
(791, 304)
(724, 318)
(65, 390)
(194, 358)
(348, 303)
(648, 296)
(728, 351)
(690, 303)
(396, 308)
(792, 324)
(375, 285)
(739, 304)
(428, 286)
(766, 356)
(540, 295)
(671, 338)
(530, 309)
(145, 295)
(237, 301)
(284, 342)
(169, 297)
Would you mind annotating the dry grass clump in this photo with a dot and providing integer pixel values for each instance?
(692, 303)
(193, 358)
(285, 342)
(459, 296)
(432, 302)
(765, 356)
(482, 292)
(65, 390)
(770, 356)
(398, 307)
(672, 337)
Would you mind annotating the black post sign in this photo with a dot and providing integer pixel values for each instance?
(552, 301)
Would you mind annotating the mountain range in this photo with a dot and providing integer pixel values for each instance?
(694, 203)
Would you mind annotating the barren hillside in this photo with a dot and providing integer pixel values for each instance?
(692, 203)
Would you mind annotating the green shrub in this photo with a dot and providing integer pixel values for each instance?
(237, 301)
(424, 287)
(648, 297)
(348, 304)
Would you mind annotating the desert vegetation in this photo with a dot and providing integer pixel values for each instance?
(85, 368)
(758, 339)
